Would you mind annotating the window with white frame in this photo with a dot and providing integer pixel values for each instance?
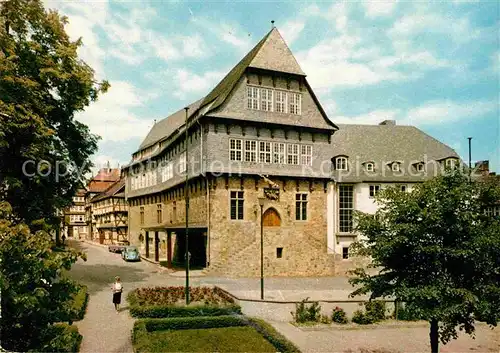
(266, 99)
(252, 97)
(279, 153)
(346, 208)
(235, 149)
(492, 211)
(341, 163)
(293, 153)
(236, 209)
(280, 101)
(182, 162)
(306, 154)
(250, 151)
(294, 103)
(374, 190)
(370, 167)
(300, 207)
(451, 162)
(264, 152)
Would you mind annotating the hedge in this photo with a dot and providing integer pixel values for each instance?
(79, 304)
(166, 311)
(280, 342)
(187, 323)
(60, 338)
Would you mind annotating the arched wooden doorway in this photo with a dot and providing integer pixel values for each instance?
(271, 218)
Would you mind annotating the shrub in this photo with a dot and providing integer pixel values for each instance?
(359, 317)
(186, 323)
(280, 342)
(79, 303)
(165, 311)
(60, 338)
(339, 316)
(406, 313)
(376, 310)
(305, 313)
(176, 295)
(325, 319)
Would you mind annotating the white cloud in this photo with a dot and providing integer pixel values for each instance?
(229, 33)
(111, 116)
(439, 112)
(291, 30)
(371, 118)
(376, 8)
(191, 83)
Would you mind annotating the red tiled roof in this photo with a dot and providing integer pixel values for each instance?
(104, 179)
(112, 190)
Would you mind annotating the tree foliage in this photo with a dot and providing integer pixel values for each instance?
(43, 84)
(34, 292)
(437, 251)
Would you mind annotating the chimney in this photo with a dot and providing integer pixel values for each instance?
(388, 122)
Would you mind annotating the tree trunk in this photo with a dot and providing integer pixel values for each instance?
(58, 234)
(434, 335)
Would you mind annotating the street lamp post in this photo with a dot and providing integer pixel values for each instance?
(261, 204)
(470, 161)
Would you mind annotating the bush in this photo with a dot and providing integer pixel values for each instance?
(359, 317)
(339, 316)
(60, 338)
(305, 313)
(406, 313)
(324, 319)
(79, 303)
(166, 311)
(280, 342)
(186, 323)
(376, 310)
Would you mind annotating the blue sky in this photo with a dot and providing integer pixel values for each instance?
(434, 65)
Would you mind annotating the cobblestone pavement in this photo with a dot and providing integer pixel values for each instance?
(414, 338)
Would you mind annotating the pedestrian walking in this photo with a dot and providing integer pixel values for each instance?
(117, 293)
(63, 238)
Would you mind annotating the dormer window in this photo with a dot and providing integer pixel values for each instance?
(450, 163)
(420, 167)
(369, 166)
(341, 163)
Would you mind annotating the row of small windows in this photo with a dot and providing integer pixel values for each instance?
(341, 163)
(77, 209)
(271, 100)
(78, 199)
(150, 178)
(237, 201)
(269, 152)
(76, 218)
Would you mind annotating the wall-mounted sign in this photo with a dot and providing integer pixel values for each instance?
(272, 194)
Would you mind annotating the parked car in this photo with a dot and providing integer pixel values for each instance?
(118, 247)
(131, 254)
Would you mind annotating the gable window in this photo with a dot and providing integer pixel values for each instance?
(236, 205)
(250, 151)
(346, 208)
(306, 155)
(279, 153)
(235, 150)
(300, 207)
(280, 102)
(341, 163)
(252, 97)
(266, 99)
(293, 153)
(294, 101)
(370, 167)
(374, 190)
(264, 152)
(395, 167)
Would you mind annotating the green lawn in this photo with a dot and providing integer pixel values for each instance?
(228, 339)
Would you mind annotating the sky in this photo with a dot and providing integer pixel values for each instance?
(434, 65)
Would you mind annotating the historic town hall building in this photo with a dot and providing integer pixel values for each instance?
(260, 138)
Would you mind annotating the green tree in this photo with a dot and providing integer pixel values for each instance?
(436, 251)
(43, 84)
(34, 291)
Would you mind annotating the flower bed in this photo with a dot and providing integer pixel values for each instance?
(163, 302)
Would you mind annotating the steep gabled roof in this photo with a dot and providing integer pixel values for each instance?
(104, 178)
(115, 189)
